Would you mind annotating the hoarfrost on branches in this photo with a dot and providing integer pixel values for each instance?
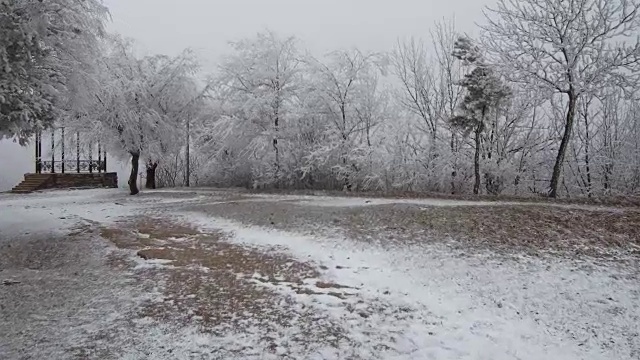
(47, 62)
(544, 103)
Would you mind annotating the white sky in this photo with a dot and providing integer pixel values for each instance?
(169, 26)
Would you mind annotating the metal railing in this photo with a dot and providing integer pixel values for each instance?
(71, 166)
(65, 165)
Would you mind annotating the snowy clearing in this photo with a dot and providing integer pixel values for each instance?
(222, 275)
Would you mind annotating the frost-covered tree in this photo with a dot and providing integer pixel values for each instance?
(121, 109)
(428, 71)
(259, 84)
(336, 122)
(444, 37)
(420, 93)
(571, 47)
(484, 91)
(174, 93)
(47, 57)
(601, 157)
(141, 104)
(337, 88)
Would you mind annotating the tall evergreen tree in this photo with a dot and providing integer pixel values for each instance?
(484, 91)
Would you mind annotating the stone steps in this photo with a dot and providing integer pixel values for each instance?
(31, 183)
(34, 182)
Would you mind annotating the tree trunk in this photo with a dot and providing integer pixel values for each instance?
(587, 160)
(607, 175)
(476, 161)
(187, 180)
(151, 175)
(276, 150)
(133, 178)
(454, 172)
(347, 181)
(568, 127)
(608, 166)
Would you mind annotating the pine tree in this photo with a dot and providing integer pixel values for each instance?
(484, 91)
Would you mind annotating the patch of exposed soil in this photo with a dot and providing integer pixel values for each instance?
(216, 285)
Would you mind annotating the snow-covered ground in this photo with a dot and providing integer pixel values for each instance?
(386, 300)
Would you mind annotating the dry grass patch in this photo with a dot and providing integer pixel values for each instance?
(528, 228)
(622, 201)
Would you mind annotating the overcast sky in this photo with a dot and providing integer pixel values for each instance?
(169, 26)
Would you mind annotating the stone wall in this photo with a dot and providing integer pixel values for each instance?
(75, 180)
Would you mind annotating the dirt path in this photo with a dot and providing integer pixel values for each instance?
(226, 275)
(58, 295)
